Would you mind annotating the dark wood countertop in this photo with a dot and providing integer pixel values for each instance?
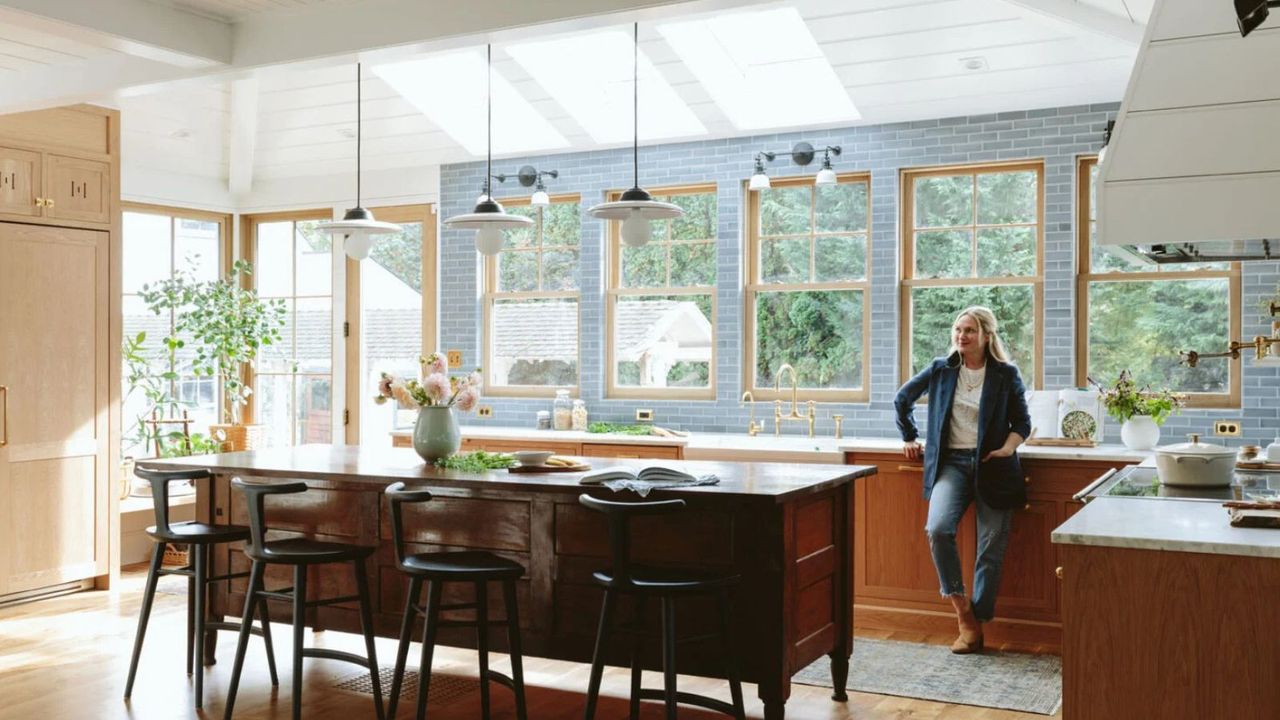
(384, 465)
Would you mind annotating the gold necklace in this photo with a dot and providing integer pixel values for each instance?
(971, 386)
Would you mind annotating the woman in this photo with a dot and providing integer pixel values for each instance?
(977, 419)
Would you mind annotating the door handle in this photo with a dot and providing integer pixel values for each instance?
(4, 416)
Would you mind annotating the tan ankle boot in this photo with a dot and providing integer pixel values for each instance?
(970, 640)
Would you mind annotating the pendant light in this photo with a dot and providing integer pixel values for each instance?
(488, 217)
(636, 207)
(358, 224)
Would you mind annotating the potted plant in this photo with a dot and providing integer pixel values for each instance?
(225, 326)
(435, 433)
(1141, 411)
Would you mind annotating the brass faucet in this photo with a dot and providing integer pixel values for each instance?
(778, 417)
(838, 420)
(753, 427)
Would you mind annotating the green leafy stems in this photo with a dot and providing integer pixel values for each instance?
(619, 429)
(1125, 400)
(477, 461)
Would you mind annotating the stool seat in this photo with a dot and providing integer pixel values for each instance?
(198, 533)
(464, 565)
(646, 578)
(305, 551)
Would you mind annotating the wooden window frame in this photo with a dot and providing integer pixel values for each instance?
(492, 295)
(248, 253)
(614, 291)
(906, 243)
(1085, 276)
(753, 287)
(425, 214)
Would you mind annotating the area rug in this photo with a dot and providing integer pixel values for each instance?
(1008, 681)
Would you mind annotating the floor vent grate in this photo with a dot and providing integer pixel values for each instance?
(444, 688)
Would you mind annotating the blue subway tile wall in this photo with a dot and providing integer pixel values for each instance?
(1058, 135)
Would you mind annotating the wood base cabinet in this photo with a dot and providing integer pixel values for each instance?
(896, 587)
(1157, 634)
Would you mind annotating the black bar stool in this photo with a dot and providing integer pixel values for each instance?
(666, 585)
(301, 553)
(471, 566)
(200, 538)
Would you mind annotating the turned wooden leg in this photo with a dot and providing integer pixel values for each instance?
(774, 710)
(839, 676)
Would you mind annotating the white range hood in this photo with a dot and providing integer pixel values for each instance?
(1192, 171)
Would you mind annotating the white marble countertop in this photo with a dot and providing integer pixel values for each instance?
(766, 447)
(1161, 524)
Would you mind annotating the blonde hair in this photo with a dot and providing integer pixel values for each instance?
(987, 323)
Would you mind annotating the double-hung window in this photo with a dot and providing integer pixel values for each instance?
(661, 303)
(1135, 315)
(808, 250)
(531, 301)
(973, 235)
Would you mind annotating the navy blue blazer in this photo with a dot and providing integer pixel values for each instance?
(1002, 410)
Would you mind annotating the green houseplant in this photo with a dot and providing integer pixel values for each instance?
(1140, 410)
(225, 327)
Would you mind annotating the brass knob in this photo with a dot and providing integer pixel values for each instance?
(40, 202)
(1027, 480)
(1027, 506)
(1058, 571)
(48, 202)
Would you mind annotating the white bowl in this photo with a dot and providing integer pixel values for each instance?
(533, 457)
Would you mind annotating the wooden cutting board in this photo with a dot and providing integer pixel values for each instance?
(547, 468)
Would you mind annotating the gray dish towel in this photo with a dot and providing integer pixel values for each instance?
(642, 488)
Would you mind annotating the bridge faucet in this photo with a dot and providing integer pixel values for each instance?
(811, 415)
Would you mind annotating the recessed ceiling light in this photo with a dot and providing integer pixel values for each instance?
(347, 133)
(973, 64)
(763, 68)
(599, 93)
(180, 133)
(450, 90)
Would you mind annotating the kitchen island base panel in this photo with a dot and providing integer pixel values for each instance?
(791, 542)
(1158, 634)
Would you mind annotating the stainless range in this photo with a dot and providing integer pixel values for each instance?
(1144, 483)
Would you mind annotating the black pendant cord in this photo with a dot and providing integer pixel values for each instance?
(359, 133)
(488, 91)
(635, 104)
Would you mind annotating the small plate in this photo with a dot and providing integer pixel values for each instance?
(533, 458)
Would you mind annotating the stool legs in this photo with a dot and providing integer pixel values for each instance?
(266, 635)
(731, 656)
(636, 650)
(482, 644)
(513, 641)
(148, 595)
(669, 655)
(199, 554)
(402, 650)
(299, 625)
(366, 624)
(430, 626)
(251, 597)
(597, 657)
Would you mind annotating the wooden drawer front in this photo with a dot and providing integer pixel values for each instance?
(77, 189)
(20, 172)
(701, 535)
(338, 514)
(1063, 478)
(506, 446)
(465, 522)
(404, 441)
(620, 450)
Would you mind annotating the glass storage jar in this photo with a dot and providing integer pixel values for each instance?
(562, 411)
(579, 415)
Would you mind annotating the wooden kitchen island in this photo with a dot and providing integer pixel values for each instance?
(785, 528)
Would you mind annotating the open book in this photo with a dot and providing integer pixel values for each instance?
(653, 474)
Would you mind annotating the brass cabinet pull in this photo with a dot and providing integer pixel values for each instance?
(4, 439)
(1058, 571)
(1027, 506)
(40, 202)
(911, 468)
(1027, 479)
(48, 202)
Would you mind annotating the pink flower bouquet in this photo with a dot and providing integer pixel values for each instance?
(434, 388)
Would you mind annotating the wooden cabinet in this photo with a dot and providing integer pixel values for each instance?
(54, 365)
(77, 189)
(21, 184)
(506, 446)
(895, 583)
(624, 450)
(563, 447)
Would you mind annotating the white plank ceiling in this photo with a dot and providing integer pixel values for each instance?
(898, 59)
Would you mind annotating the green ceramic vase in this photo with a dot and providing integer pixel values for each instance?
(435, 434)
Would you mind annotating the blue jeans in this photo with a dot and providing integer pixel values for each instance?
(952, 492)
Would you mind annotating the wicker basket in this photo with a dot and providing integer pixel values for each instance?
(176, 555)
(239, 437)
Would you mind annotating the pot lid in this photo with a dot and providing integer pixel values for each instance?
(1195, 447)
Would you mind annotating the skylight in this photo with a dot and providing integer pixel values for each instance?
(590, 76)
(450, 90)
(763, 68)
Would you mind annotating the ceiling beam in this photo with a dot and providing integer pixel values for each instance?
(1085, 17)
(135, 27)
(96, 81)
(244, 134)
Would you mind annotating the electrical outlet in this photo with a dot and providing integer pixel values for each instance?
(644, 415)
(484, 411)
(455, 358)
(1226, 428)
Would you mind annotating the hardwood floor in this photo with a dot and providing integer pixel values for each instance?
(66, 658)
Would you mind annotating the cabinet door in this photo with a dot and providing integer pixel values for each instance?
(54, 361)
(623, 450)
(1028, 586)
(892, 561)
(19, 182)
(77, 189)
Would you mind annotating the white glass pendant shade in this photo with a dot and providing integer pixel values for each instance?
(759, 181)
(489, 240)
(540, 199)
(826, 176)
(357, 245)
(635, 231)
(359, 227)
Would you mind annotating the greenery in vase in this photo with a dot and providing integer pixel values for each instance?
(225, 323)
(619, 429)
(477, 461)
(1125, 400)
